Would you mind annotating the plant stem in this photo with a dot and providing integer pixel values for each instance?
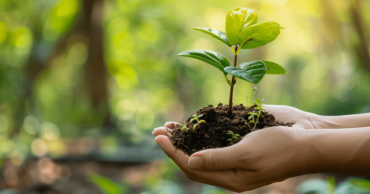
(232, 85)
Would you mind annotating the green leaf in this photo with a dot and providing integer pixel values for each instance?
(237, 20)
(274, 68)
(229, 139)
(191, 120)
(195, 126)
(201, 121)
(200, 115)
(251, 71)
(258, 35)
(237, 135)
(105, 185)
(215, 59)
(231, 132)
(219, 35)
(251, 121)
(258, 100)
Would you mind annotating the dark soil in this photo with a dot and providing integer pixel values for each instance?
(214, 132)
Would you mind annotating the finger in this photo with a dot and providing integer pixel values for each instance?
(227, 158)
(225, 179)
(171, 124)
(161, 131)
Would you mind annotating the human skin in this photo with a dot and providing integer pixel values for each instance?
(290, 151)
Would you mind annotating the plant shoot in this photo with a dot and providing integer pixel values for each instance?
(242, 32)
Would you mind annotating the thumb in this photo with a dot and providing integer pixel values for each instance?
(216, 159)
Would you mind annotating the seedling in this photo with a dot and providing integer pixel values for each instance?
(242, 32)
(183, 127)
(195, 117)
(258, 108)
(233, 136)
(249, 100)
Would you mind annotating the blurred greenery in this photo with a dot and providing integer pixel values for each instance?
(348, 186)
(106, 72)
(106, 185)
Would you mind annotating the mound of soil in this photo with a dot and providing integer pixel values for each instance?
(213, 133)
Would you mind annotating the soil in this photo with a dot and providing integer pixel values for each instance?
(213, 133)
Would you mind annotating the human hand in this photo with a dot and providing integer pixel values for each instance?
(288, 114)
(260, 158)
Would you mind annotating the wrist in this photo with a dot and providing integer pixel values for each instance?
(308, 154)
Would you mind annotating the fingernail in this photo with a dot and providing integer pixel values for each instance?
(195, 162)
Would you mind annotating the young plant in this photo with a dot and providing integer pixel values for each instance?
(249, 100)
(242, 32)
(195, 117)
(233, 136)
(183, 127)
(258, 113)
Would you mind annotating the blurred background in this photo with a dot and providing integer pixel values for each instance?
(84, 82)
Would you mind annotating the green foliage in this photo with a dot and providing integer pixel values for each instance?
(183, 127)
(237, 20)
(215, 34)
(348, 186)
(106, 185)
(273, 68)
(259, 35)
(252, 72)
(215, 59)
(233, 136)
(196, 117)
(256, 112)
(242, 32)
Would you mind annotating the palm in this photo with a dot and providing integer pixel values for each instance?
(290, 114)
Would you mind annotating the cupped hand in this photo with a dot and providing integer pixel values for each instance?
(260, 158)
(301, 118)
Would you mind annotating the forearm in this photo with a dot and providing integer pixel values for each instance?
(347, 121)
(340, 151)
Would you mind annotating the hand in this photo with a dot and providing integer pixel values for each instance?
(287, 114)
(260, 158)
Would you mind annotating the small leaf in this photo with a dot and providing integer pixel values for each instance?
(263, 110)
(237, 135)
(274, 68)
(229, 139)
(252, 71)
(258, 35)
(191, 120)
(201, 121)
(194, 115)
(184, 125)
(231, 132)
(238, 20)
(258, 100)
(219, 35)
(251, 121)
(257, 108)
(254, 89)
(215, 59)
(195, 126)
(200, 116)
(250, 117)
